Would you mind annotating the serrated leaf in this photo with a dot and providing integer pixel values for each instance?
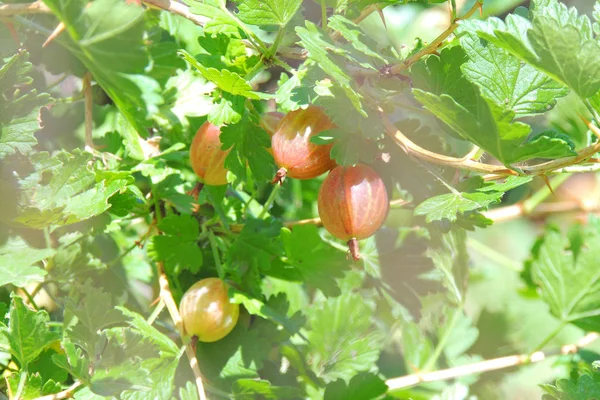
(248, 143)
(557, 41)
(267, 12)
(353, 34)
(19, 106)
(311, 260)
(363, 386)
(230, 82)
(248, 389)
(569, 279)
(479, 120)
(313, 40)
(35, 386)
(507, 81)
(256, 307)
(585, 387)
(448, 206)
(27, 332)
(339, 347)
(178, 247)
(94, 311)
(16, 263)
(60, 190)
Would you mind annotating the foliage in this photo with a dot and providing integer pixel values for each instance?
(103, 223)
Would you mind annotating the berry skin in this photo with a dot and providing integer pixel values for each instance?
(294, 153)
(353, 204)
(270, 122)
(206, 311)
(206, 156)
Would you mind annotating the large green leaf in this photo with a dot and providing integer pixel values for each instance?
(27, 332)
(477, 118)
(556, 41)
(507, 81)
(111, 46)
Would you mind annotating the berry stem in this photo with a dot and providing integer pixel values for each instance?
(269, 201)
(279, 176)
(353, 248)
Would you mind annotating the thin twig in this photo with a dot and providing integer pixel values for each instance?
(417, 151)
(514, 211)
(37, 7)
(488, 365)
(167, 298)
(433, 46)
(179, 9)
(65, 394)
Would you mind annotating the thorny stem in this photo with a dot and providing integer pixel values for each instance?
(487, 365)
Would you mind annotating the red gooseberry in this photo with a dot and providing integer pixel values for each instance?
(207, 157)
(353, 204)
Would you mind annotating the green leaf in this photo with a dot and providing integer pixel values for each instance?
(249, 389)
(557, 41)
(94, 311)
(449, 206)
(248, 143)
(220, 17)
(480, 120)
(60, 190)
(342, 339)
(569, 278)
(19, 106)
(311, 260)
(503, 79)
(363, 386)
(357, 38)
(27, 332)
(585, 387)
(267, 12)
(317, 44)
(257, 307)
(178, 247)
(230, 82)
(16, 263)
(35, 386)
(111, 46)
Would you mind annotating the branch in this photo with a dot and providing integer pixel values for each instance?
(65, 394)
(37, 7)
(508, 213)
(167, 298)
(488, 365)
(433, 46)
(179, 9)
(236, 228)
(417, 151)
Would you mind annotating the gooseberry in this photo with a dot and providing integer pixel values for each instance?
(206, 310)
(207, 157)
(294, 153)
(353, 204)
